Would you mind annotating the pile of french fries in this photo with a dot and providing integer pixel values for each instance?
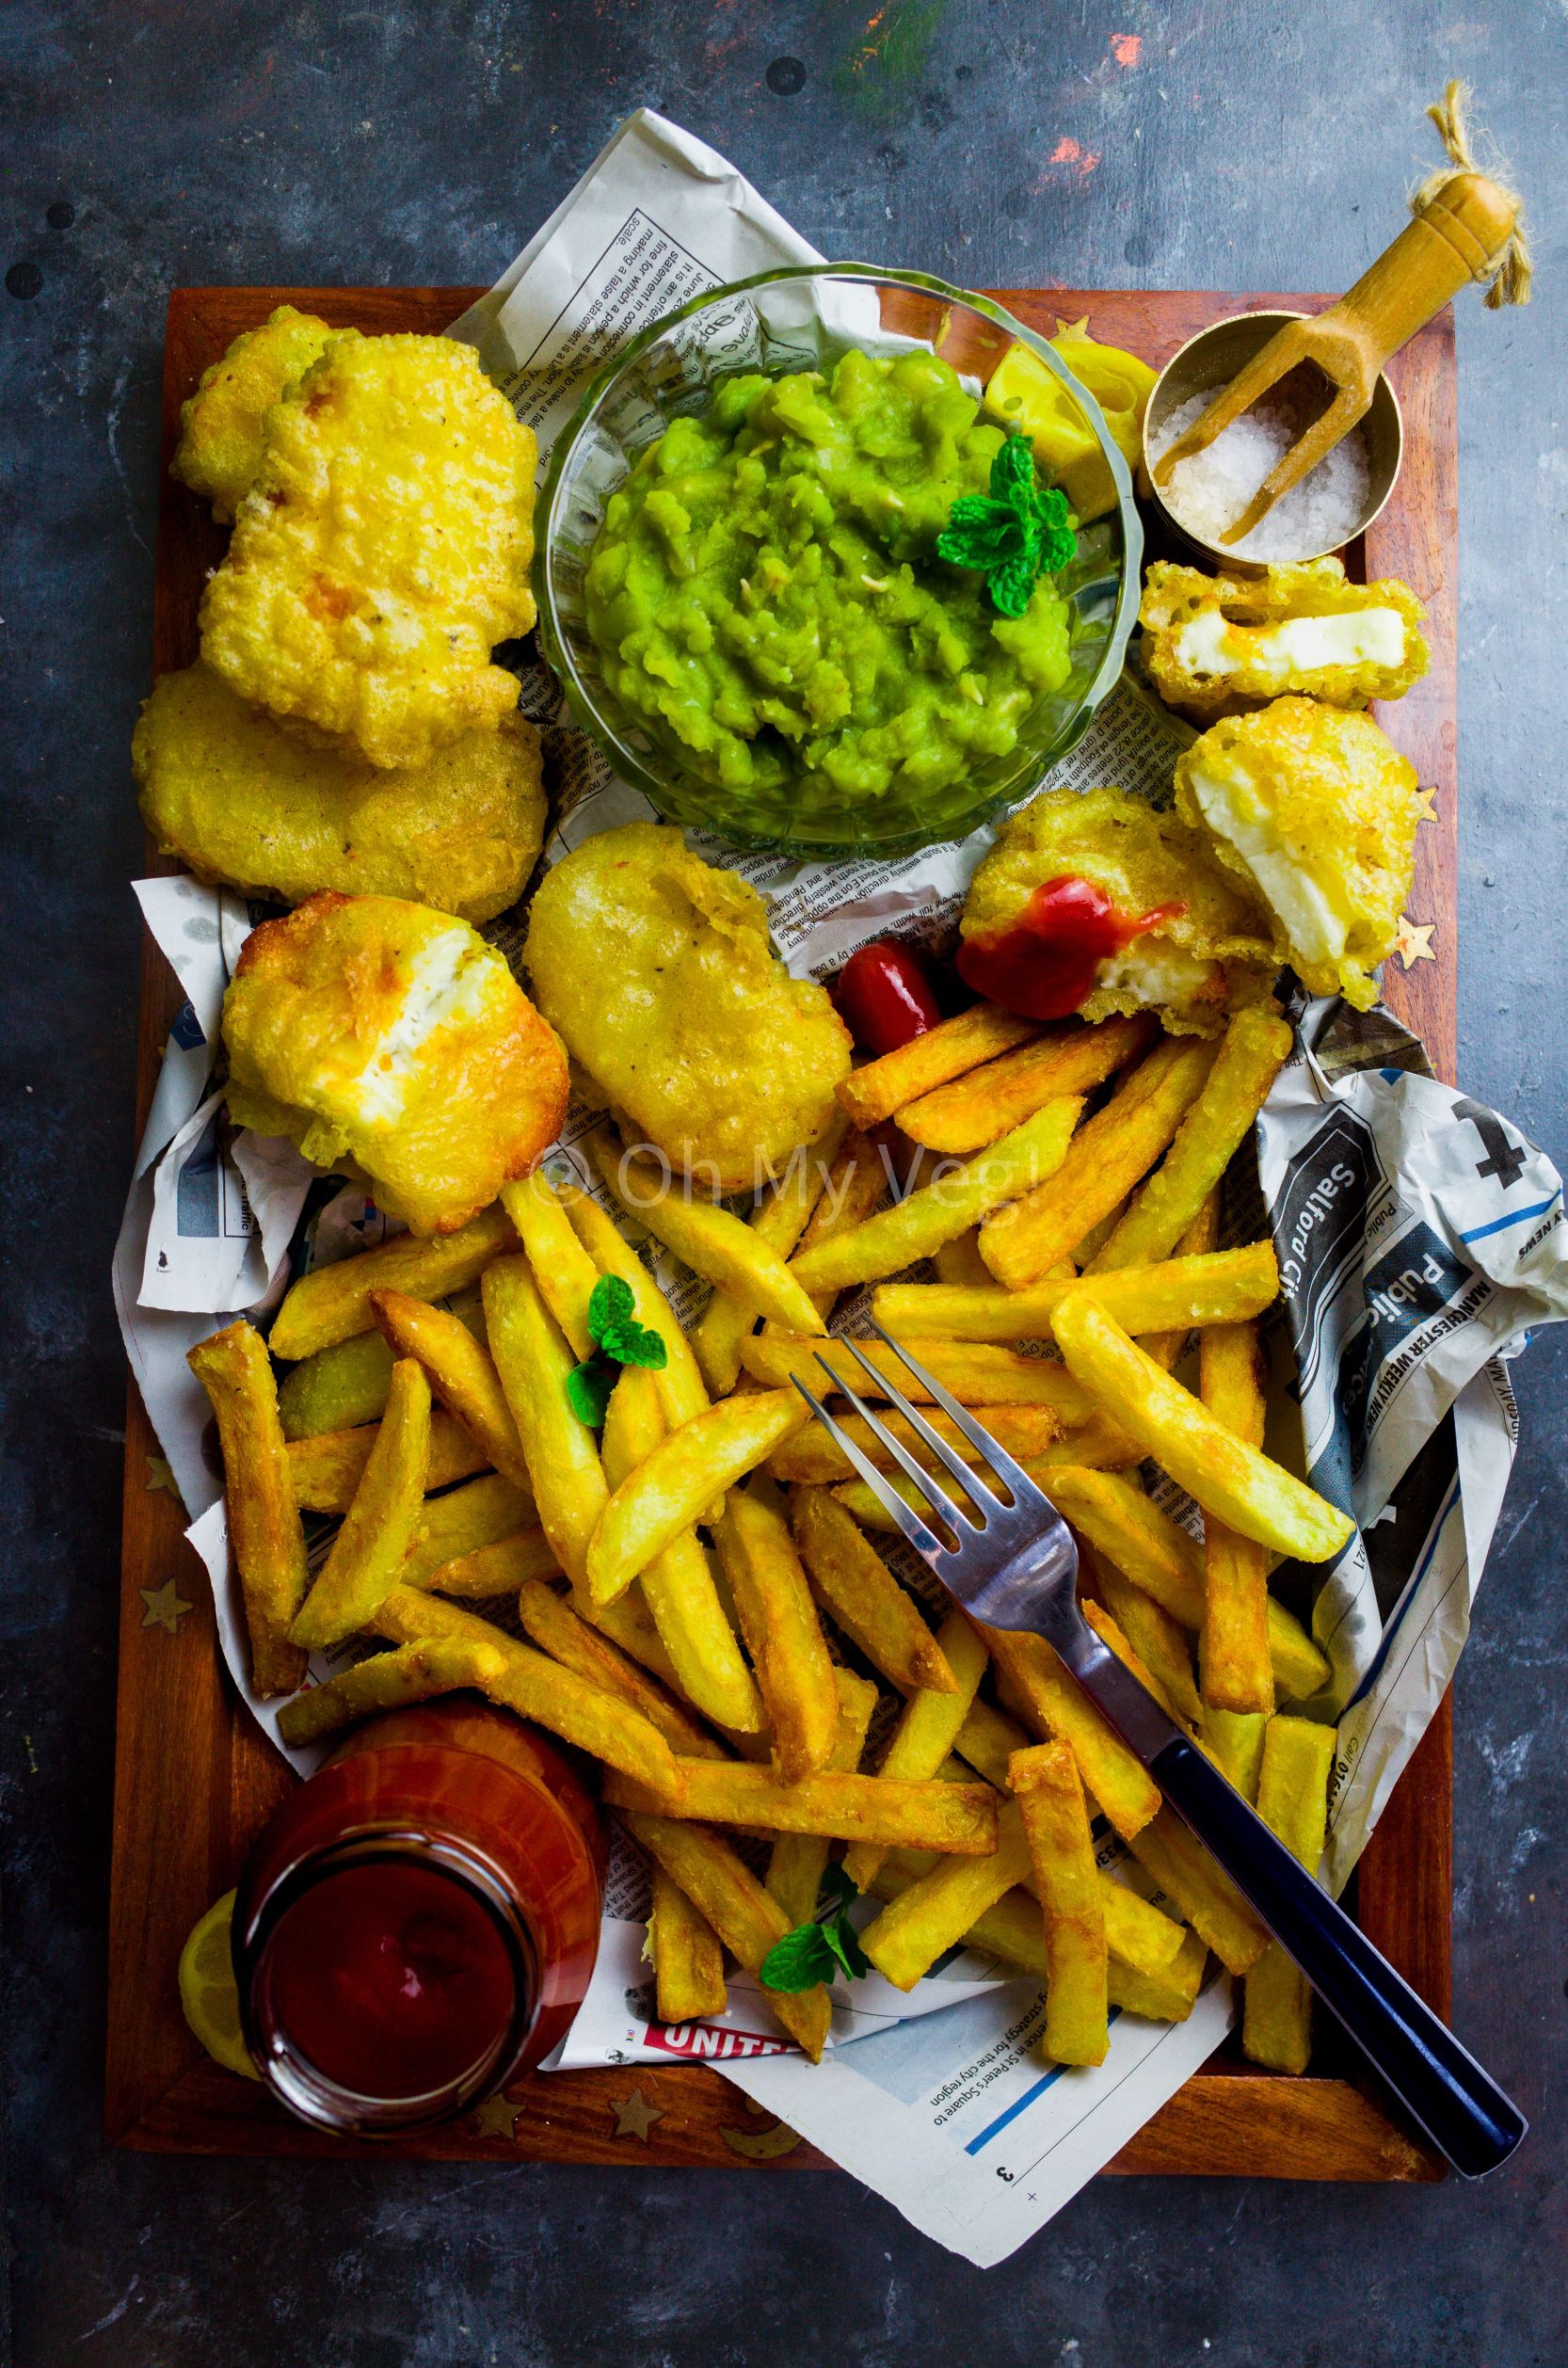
(698, 1594)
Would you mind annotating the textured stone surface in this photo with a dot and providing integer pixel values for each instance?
(1195, 143)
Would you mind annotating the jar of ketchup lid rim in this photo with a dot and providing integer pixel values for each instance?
(418, 1924)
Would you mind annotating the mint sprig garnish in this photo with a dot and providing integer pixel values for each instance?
(819, 1951)
(618, 1339)
(1016, 534)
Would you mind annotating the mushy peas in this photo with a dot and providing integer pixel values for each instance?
(766, 596)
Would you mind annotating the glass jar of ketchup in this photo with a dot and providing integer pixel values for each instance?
(419, 1921)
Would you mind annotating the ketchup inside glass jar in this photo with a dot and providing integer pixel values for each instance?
(419, 1921)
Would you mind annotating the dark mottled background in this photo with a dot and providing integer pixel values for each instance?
(1227, 143)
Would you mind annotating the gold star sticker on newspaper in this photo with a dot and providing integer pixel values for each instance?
(1413, 941)
(495, 2118)
(165, 1607)
(634, 2115)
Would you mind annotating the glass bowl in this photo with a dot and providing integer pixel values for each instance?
(802, 319)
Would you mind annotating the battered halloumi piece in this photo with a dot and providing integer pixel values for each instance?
(220, 426)
(658, 971)
(240, 800)
(1317, 811)
(1214, 644)
(394, 1046)
(381, 551)
(1207, 955)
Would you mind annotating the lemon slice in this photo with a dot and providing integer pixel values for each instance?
(208, 1992)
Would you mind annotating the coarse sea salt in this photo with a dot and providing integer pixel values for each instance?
(1209, 492)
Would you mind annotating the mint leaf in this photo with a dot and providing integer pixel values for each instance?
(610, 1301)
(588, 1387)
(632, 1343)
(844, 1942)
(1012, 535)
(798, 1961)
(835, 1884)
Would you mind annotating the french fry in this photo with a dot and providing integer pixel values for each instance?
(879, 1088)
(733, 1256)
(1066, 1880)
(479, 1513)
(338, 1388)
(1227, 1476)
(1060, 1711)
(367, 1554)
(1234, 1741)
(328, 1465)
(981, 1106)
(1106, 1628)
(1159, 1642)
(688, 1960)
(1255, 1046)
(333, 1303)
(501, 1569)
(1201, 1239)
(976, 1373)
(960, 1266)
(850, 1579)
(815, 1459)
(779, 1221)
(537, 1688)
(1131, 1531)
(533, 1364)
(723, 1890)
(462, 1374)
(954, 1820)
(1106, 1156)
(556, 1630)
(1102, 1440)
(1293, 1801)
(1224, 1288)
(1207, 1899)
(933, 1914)
(564, 1271)
(987, 1739)
(917, 1225)
(858, 1184)
(672, 1488)
(1143, 1941)
(928, 1727)
(798, 1861)
(1167, 1996)
(388, 1681)
(1237, 1671)
(682, 1392)
(678, 1585)
(265, 1531)
(778, 1620)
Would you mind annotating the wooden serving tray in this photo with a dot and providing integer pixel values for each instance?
(195, 1780)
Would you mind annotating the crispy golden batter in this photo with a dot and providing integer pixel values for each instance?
(1206, 958)
(1314, 809)
(220, 426)
(382, 551)
(237, 799)
(1217, 645)
(657, 972)
(395, 1046)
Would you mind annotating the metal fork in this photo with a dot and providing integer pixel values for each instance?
(1014, 1565)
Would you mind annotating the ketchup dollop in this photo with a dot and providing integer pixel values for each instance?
(883, 996)
(1044, 965)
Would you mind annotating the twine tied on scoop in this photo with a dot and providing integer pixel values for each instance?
(1509, 277)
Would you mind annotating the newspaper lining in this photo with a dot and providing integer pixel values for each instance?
(1419, 1237)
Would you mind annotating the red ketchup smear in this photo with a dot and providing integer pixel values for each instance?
(391, 1978)
(1043, 966)
(883, 996)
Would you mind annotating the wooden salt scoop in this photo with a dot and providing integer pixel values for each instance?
(1461, 233)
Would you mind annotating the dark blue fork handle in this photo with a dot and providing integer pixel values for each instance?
(1440, 2083)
